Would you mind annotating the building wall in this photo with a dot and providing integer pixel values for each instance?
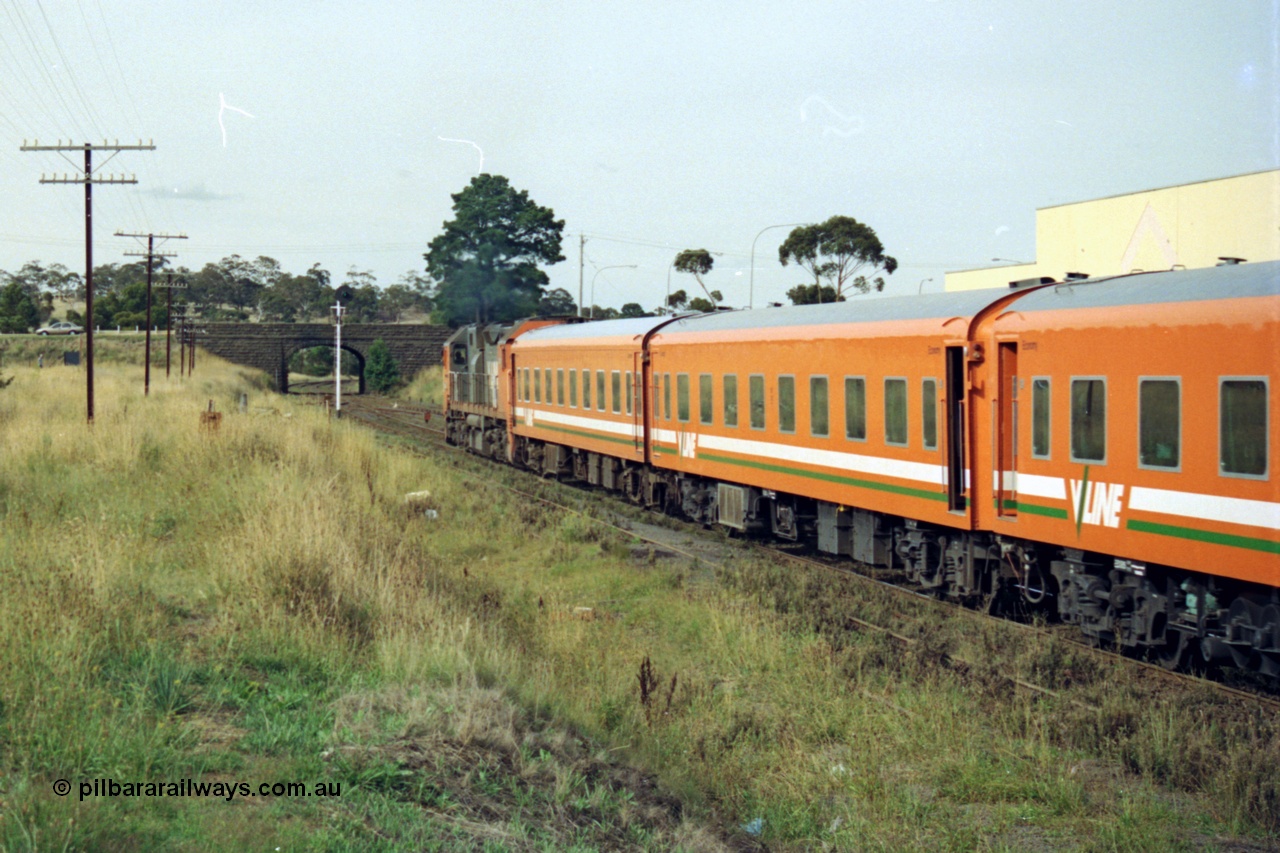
(1191, 225)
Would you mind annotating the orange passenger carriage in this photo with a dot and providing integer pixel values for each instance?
(578, 403)
(1140, 439)
(1103, 449)
(834, 417)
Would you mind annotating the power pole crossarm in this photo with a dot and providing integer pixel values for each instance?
(87, 178)
(151, 254)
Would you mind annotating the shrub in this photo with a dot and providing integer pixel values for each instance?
(382, 372)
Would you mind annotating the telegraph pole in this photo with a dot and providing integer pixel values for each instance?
(87, 178)
(151, 255)
(182, 344)
(168, 320)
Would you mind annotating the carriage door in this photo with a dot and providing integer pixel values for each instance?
(955, 429)
(636, 394)
(1006, 433)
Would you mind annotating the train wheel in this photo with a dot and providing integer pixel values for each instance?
(1173, 654)
(633, 485)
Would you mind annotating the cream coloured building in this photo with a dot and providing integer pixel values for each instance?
(1191, 225)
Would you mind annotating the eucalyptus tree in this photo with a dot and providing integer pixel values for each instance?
(841, 252)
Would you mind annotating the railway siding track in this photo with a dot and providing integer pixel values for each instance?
(415, 422)
(1119, 715)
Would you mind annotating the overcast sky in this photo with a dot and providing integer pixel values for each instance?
(650, 127)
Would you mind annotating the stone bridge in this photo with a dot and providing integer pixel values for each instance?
(268, 346)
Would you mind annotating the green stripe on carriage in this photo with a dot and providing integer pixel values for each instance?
(829, 478)
(1047, 511)
(1266, 546)
(1032, 509)
(584, 434)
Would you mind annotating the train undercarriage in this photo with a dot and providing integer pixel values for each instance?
(1177, 618)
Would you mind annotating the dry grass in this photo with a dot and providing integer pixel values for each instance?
(427, 386)
(260, 603)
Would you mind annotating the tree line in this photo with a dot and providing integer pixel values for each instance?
(232, 289)
(484, 266)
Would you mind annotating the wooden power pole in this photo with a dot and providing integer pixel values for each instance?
(151, 254)
(87, 178)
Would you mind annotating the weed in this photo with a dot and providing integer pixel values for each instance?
(175, 606)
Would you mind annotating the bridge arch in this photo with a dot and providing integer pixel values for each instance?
(282, 384)
(268, 346)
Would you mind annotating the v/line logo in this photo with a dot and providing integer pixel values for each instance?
(1096, 503)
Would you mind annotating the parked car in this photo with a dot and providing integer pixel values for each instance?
(62, 327)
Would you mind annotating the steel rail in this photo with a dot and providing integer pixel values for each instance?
(851, 568)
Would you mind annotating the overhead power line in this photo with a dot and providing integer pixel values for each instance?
(88, 178)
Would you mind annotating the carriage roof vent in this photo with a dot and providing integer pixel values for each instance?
(1076, 276)
(1230, 262)
(1031, 282)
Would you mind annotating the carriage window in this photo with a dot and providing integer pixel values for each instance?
(573, 388)
(666, 396)
(787, 403)
(819, 409)
(524, 385)
(1159, 423)
(546, 381)
(929, 413)
(730, 400)
(616, 376)
(586, 389)
(630, 392)
(1040, 418)
(600, 404)
(855, 408)
(755, 389)
(559, 386)
(895, 411)
(1088, 420)
(682, 396)
(537, 385)
(705, 414)
(1242, 431)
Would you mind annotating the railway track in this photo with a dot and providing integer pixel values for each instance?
(415, 422)
(323, 386)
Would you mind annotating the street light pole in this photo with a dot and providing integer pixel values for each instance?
(582, 247)
(593, 282)
(751, 293)
(920, 289)
(670, 267)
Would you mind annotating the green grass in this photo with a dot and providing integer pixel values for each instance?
(260, 604)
